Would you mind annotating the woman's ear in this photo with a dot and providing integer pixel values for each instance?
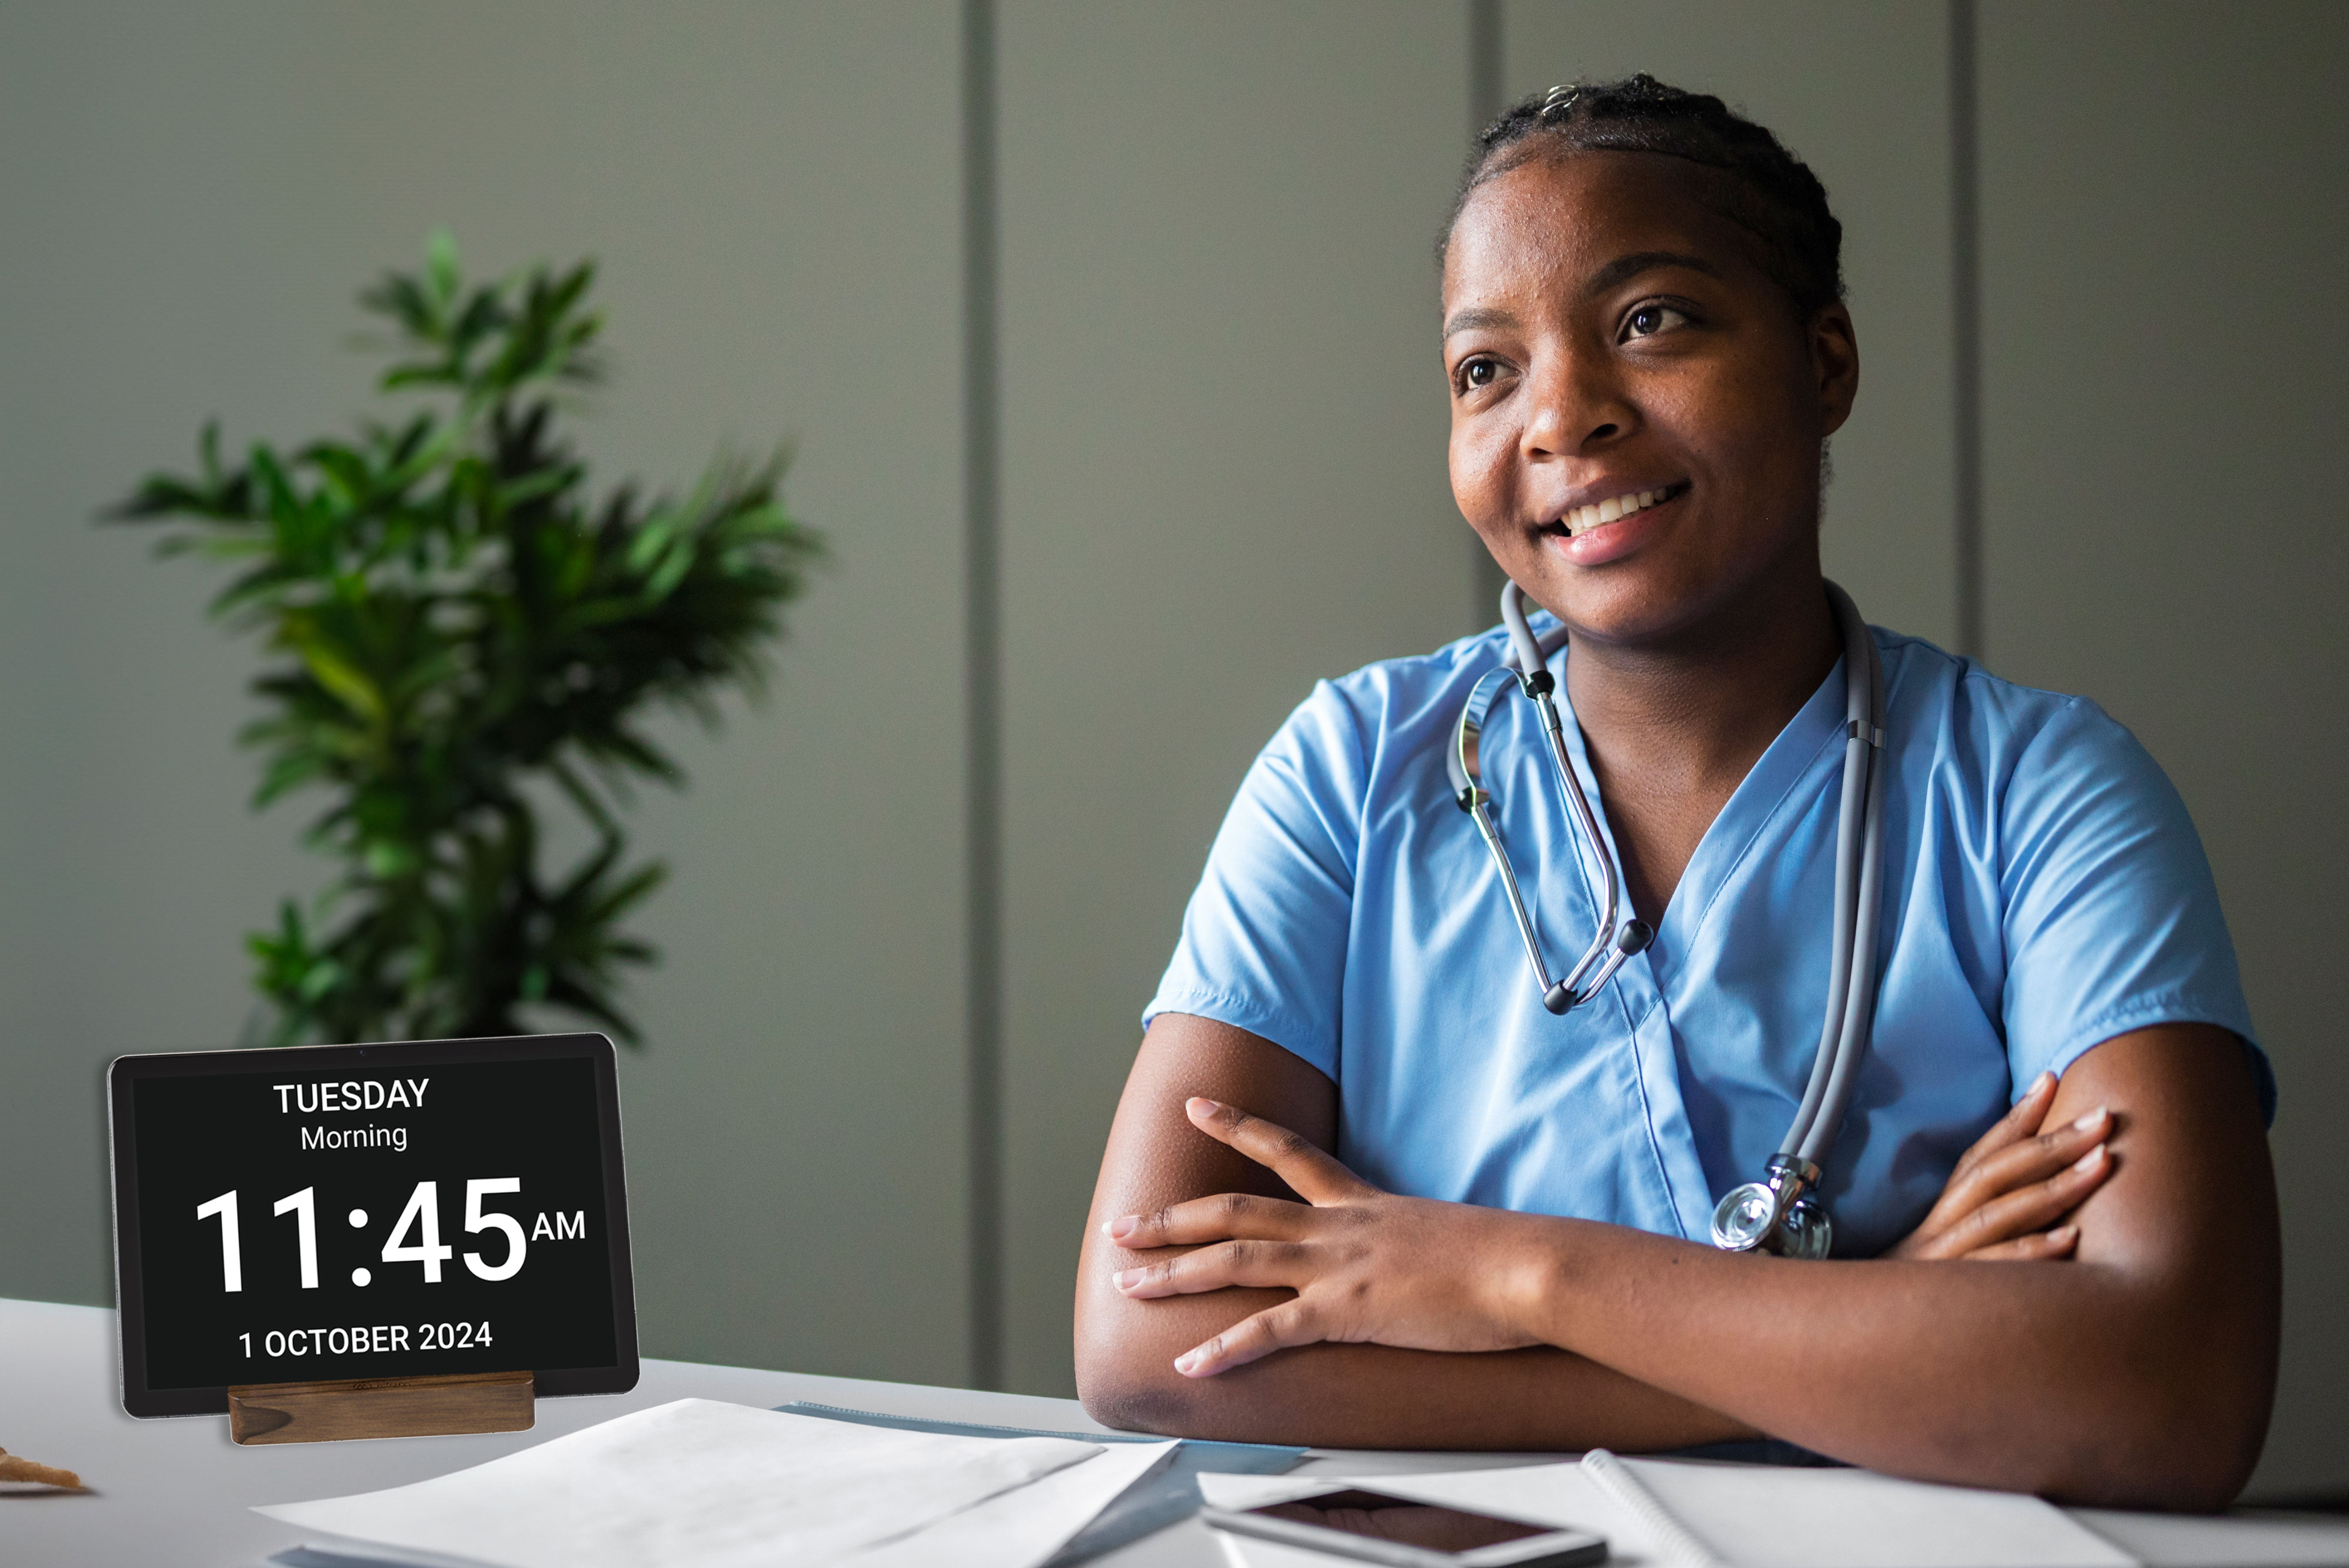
(1835, 363)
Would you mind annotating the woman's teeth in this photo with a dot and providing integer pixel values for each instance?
(1583, 519)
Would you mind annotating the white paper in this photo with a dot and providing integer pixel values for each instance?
(1763, 1516)
(1021, 1528)
(2246, 1540)
(1756, 1516)
(693, 1484)
(1254, 1551)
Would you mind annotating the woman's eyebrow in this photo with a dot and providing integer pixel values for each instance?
(1623, 269)
(1480, 315)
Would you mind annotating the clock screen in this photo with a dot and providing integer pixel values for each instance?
(327, 1222)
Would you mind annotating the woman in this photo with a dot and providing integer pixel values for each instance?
(1364, 1189)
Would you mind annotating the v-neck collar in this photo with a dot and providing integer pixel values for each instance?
(1804, 746)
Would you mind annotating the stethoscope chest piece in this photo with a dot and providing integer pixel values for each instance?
(1778, 1215)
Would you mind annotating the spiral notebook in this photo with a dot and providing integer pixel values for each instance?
(1676, 1514)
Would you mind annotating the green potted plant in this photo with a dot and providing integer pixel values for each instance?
(459, 634)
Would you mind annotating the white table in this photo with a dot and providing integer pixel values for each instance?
(177, 1493)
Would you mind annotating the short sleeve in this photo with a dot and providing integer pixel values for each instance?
(2112, 918)
(1264, 939)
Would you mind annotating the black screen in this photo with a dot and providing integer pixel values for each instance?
(309, 1221)
(1374, 1513)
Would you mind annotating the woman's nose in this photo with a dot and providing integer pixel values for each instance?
(1577, 405)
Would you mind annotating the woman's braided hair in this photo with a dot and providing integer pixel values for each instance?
(1761, 186)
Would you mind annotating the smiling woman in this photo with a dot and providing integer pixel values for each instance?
(1364, 1189)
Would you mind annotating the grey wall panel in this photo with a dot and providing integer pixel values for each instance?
(128, 865)
(190, 196)
(1859, 92)
(1224, 476)
(2166, 522)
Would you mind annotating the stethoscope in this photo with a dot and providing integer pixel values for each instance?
(1779, 1212)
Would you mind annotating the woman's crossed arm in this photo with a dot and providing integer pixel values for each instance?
(2138, 1372)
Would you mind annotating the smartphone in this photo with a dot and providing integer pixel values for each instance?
(1373, 1527)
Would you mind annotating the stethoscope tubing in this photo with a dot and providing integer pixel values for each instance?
(1842, 1031)
(1532, 656)
(1859, 1005)
(1858, 888)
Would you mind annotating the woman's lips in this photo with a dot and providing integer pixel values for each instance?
(1612, 541)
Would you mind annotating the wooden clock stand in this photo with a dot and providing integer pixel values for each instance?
(382, 1407)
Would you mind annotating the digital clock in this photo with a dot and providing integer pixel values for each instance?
(361, 1211)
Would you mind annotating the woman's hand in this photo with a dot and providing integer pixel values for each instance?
(1366, 1265)
(2003, 1201)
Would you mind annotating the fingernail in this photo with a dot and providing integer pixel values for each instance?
(1187, 1361)
(1203, 1105)
(2045, 1080)
(2064, 1235)
(1120, 1229)
(1126, 1279)
(2091, 1120)
(2091, 1159)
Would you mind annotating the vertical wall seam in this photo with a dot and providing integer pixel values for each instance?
(983, 695)
(1965, 291)
(1486, 72)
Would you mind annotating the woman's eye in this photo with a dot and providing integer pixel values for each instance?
(1479, 373)
(1650, 319)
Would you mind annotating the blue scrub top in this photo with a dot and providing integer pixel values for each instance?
(2044, 891)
